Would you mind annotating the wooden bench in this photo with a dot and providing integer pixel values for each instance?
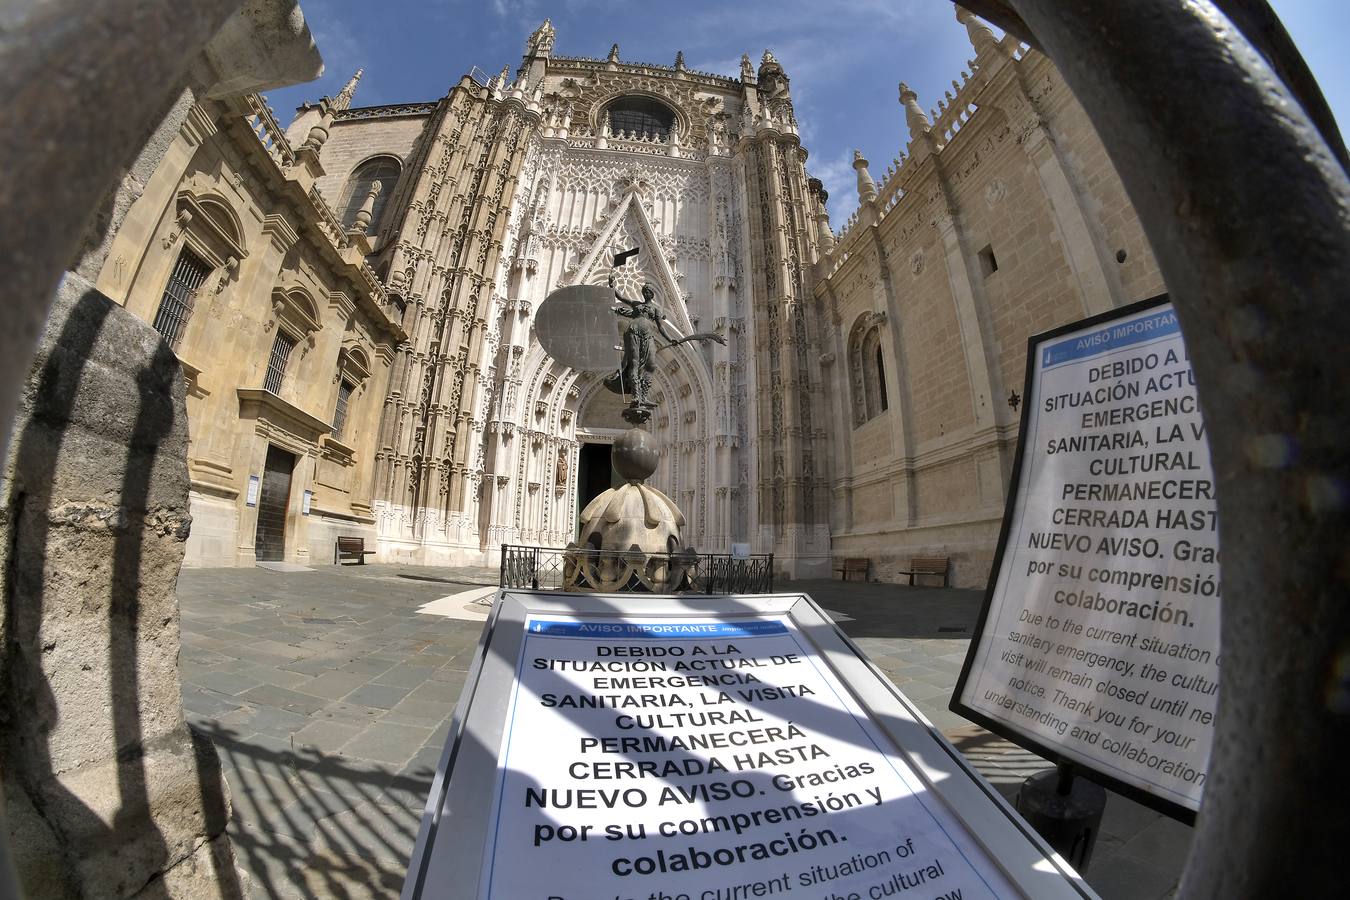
(853, 565)
(351, 548)
(927, 565)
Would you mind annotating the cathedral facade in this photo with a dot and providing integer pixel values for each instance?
(360, 316)
(512, 186)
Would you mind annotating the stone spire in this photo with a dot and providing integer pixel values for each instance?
(981, 38)
(504, 78)
(344, 98)
(679, 61)
(613, 54)
(867, 188)
(768, 59)
(824, 236)
(747, 68)
(915, 117)
(541, 42)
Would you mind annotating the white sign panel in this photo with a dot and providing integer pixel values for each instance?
(636, 747)
(701, 756)
(1100, 636)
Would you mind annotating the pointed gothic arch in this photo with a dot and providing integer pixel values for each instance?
(867, 368)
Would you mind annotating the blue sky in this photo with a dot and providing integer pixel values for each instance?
(844, 58)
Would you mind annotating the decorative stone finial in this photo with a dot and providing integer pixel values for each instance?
(981, 38)
(344, 98)
(867, 188)
(366, 213)
(503, 78)
(768, 59)
(915, 117)
(679, 60)
(541, 42)
(613, 53)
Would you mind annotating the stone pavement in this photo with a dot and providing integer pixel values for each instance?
(329, 696)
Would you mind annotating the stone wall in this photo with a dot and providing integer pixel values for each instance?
(1005, 218)
(107, 793)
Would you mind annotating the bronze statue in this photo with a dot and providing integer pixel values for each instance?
(646, 323)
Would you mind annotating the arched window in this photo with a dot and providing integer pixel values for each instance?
(385, 170)
(640, 116)
(867, 368)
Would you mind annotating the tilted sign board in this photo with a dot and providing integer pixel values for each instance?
(629, 746)
(1099, 639)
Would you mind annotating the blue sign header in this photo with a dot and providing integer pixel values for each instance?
(1112, 337)
(662, 630)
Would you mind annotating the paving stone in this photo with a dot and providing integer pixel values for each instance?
(223, 682)
(379, 696)
(333, 685)
(281, 698)
(405, 676)
(387, 743)
(327, 735)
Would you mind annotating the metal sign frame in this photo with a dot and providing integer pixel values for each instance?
(453, 837)
(1139, 795)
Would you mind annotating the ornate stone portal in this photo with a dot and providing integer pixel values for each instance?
(631, 535)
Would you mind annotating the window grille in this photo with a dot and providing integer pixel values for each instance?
(180, 294)
(340, 412)
(276, 364)
(641, 117)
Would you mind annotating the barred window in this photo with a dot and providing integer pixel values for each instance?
(344, 397)
(180, 294)
(276, 363)
(640, 116)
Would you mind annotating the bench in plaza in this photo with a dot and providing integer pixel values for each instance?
(850, 566)
(927, 565)
(351, 548)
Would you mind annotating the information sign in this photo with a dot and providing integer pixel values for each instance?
(1099, 639)
(635, 747)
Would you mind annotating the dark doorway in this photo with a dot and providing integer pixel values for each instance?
(269, 543)
(595, 474)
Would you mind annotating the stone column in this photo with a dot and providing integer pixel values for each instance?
(105, 788)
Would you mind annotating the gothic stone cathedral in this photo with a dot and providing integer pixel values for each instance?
(353, 303)
(512, 186)
(860, 405)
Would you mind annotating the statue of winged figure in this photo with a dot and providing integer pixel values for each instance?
(646, 324)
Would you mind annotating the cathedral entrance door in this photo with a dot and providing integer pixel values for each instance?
(269, 542)
(595, 474)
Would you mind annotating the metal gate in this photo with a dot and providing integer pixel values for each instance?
(269, 541)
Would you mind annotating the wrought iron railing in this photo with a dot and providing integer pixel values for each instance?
(557, 569)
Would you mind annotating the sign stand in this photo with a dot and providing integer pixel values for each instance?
(1098, 642)
(1064, 809)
